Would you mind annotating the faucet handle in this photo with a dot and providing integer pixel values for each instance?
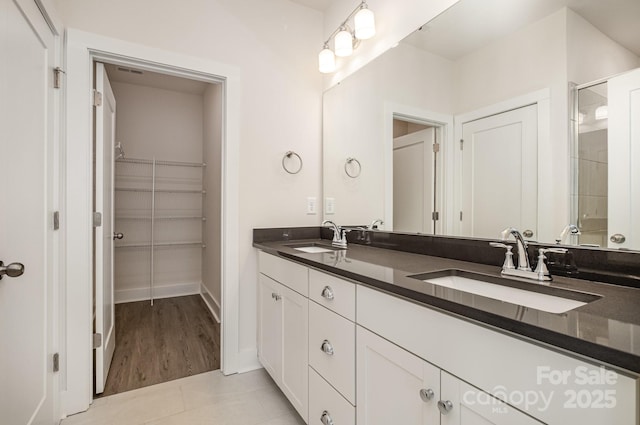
(541, 268)
(508, 256)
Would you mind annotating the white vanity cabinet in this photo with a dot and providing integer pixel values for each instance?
(349, 354)
(395, 386)
(283, 327)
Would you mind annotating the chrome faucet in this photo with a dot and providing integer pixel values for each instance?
(374, 224)
(339, 234)
(541, 273)
(523, 256)
(566, 234)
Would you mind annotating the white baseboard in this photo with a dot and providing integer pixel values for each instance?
(211, 302)
(248, 360)
(166, 291)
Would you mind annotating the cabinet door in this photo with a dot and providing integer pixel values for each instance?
(295, 352)
(470, 406)
(270, 326)
(389, 384)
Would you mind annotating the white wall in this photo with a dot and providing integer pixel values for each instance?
(592, 55)
(212, 150)
(152, 122)
(355, 124)
(274, 46)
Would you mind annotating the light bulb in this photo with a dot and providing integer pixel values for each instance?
(343, 43)
(365, 23)
(326, 60)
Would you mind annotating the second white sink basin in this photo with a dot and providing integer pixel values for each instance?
(544, 298)
(313, 249)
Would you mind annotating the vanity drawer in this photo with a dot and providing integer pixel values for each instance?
(325, 400)
(288, 273)
(334, 293)
(335, 358)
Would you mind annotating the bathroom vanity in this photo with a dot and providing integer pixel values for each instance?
(369, 335)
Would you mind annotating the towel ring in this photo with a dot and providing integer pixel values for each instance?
(289, 154)
(346, 167)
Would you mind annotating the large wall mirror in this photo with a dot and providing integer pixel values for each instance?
(495, 114)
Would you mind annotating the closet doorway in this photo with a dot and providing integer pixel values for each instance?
(157, 186)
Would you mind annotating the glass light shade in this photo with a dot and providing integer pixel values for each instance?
(365, 24)
(343, 43)
(326, 61)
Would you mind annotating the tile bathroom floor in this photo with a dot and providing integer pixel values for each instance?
(209, 398)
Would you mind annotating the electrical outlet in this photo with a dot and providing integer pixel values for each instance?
(312, 208)
(330, 206)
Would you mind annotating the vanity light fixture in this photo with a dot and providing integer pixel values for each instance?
(345, 39)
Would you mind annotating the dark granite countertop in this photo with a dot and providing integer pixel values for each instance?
(606, 330)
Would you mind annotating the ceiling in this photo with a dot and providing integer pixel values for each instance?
(471, 24)
(320, 5)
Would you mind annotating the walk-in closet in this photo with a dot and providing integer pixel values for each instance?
(166, 227)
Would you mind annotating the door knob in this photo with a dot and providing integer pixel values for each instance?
(327, 347)
(426, 394)
(12, 270)
(528, 233)
(327, 293)
(617, 238)
(326, 418)
(117, 235)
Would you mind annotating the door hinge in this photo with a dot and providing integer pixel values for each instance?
(56, 220)
(460, 215)
(461, 143)
(435, 216)
(57, 77)
(97, 98)
(56, 362)
(97, 219)
(97, 340)
(436, 147)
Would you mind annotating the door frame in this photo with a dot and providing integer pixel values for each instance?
(421, 116)
(82, 50)
(542, 99)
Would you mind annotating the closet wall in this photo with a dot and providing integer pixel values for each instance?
(168, 124)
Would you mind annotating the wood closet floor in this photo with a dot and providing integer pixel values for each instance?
(175, 338)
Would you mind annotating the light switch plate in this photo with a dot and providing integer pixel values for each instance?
(312, 207)
(329, 206)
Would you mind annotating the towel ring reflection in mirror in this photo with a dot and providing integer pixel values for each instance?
(287, 156)
(349, 168)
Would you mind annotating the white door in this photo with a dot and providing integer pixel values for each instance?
(623, 159)
(295, 349)
(27, 144)
(463, 404)
(500, 174)
(413, 177)
(270, 326)
(104, 234)
(394, 386)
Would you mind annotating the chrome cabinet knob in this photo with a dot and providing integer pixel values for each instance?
(445, 406)
(617, 238)
(12, 270)
(527, 233)
(325, 418)
(426, 394)
(327, 347)
(327, 293)
(275, 296)
(117, 235)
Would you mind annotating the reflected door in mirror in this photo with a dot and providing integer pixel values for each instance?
(500, 174)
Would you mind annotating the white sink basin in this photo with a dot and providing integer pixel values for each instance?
(534, 298)
(313, 249)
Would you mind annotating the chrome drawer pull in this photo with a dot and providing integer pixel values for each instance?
(426, 394)
(327, 347)
(326, 419)
(327, 293)
(445, 406)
